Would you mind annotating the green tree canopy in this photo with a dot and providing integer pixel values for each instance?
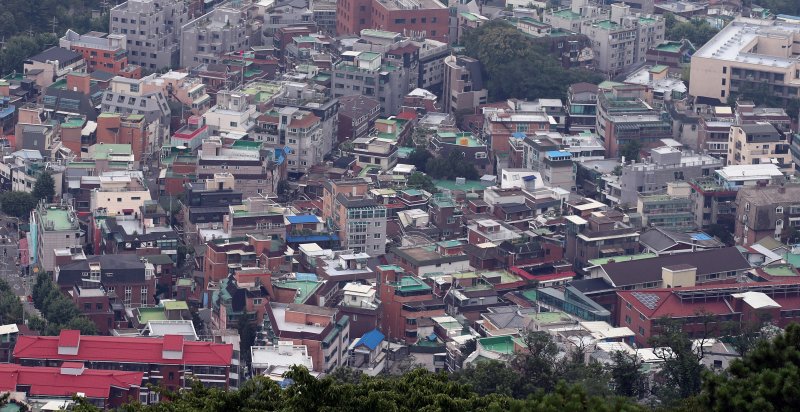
(422, 181)
(697, 31)
(17, 204)
(44, 188)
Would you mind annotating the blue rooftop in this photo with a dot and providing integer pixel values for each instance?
(700, 236)
(303, 219)
(371, 339)
(518, 135)
(306, 276)
(558, 153)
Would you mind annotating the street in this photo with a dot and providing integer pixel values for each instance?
(9, 271)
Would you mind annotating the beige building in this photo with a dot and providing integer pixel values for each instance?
(749, 52)
(759, 143)
(119, 195)
(463, 85)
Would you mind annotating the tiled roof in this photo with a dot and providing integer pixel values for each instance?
(51, 382)
(649, 270)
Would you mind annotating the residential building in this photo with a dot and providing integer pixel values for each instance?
(660, 241)
(325, 334)
(600, 235)
(225, 256)
(431, 63)
(233, 113)
(366, 73)
(359, 219)
(581, 107)
(714, 197)
(443, 257)
(119, 195)
(114, 129)
(748, 53)
(406, 302)
(464, 89)
(101, 51)
(183, 88)
(666, 211)
(175, 362)
(499, 125)
(131, 97)
(243, 160)
(152, 31)
(137, 231)
(208, 202)
(319, 102)
(104, 389)
(624, 115)
(664, 165)
(420, 18)
(759, 143)
(55, 229)
(766, 211)
(300, 131)
(472, 148)
(275, 360)
(357, 116)
(255, 216)
(558, 170)
(213, 36)
(368, 353)
(375, 151)
(52, 65)
(131, 277)
(192, 134)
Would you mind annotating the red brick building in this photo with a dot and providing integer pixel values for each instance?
(405, 300)
(428, 18)
(105, 389)
(170, 362)
(225, 255)
(123, 129)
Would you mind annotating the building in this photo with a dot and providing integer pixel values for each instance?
(152, 31)
(224, 257)
(406, 302)
(52, 65)
(131, 277)
(431, 64)
(581, 107)
(759, 143)
(366, 73)
(104, 389)
(300, 131)
(665, 165)
(670, 211)
(359, 219)
(130, 97)
(357, 116)
(101, 51)
(624, 115)
(175, 362)
(244, 161)
(443, 257)
(55, 229)
(211, 37)
(325, 335)
(464, 89)
(747, 53)
(599, 235)
(275, 360)
(419, 18)
(770, 211)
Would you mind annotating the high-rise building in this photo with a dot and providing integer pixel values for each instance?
(152, 29)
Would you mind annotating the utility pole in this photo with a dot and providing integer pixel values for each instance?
(54, 25)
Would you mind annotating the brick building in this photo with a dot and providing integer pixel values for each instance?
(405, 300)
(424, 18)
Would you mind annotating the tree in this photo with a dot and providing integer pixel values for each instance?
(537, 363)
(697, 31)
(626, 375)
(44, 187)
(17, 204)
(631, 150)
(720, 231)
(681, 371)
(491, 376)
(422, 181)
(419, 158)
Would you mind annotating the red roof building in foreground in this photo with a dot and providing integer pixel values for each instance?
(102, 388)
(170, 361)
(749, 304)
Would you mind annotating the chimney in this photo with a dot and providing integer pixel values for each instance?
(79, 82)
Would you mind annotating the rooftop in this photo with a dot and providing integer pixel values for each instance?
(739, 39)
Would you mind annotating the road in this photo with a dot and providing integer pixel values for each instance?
(9, 270)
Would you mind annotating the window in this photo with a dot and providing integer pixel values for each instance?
(628, 319)
(376, 235)
(377, 224)
(128, 295)
(144, 296)
(779, 210)
(641, 330)
(257, 301)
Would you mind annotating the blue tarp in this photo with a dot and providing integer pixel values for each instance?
(302, 219)
(371, 339)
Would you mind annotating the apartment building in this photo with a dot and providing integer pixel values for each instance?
(171, 361)
(152, 31)
(759, 143)
(749, 53)
(431, 63)
(320, 329)
(119, 194)
(624, 115)
(359, 219)
(581, 107)
(419, 18)
(357, 116)
(127, 129)
(131, 277)
(53, 64)
(296, 129)
(406, 302)
(131, 97)
(55, 230)
(101, 51)
(369, 74)
(766, 211)
(316, 100)
(499, 125)
(599, 235)
(665, 164)
(240, 159)
(212, 36)
(464, 89)
(183, 87)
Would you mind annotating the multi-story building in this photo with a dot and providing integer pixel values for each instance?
(131, 277)
(152, 30)
(52, 65)
(359, 219)
(581, 107)
(665, 165)
(212, 36)
(748, 53)
(357, 116)
(759, 143)
(101, 51)
(320, 329)
(443, 257)
(104, 389)
(324, 15)
(55, 229)
(208, 202)
(224, 257)
(499, 125)
(766, 211)
(405, 302)
(296, 129)
(171, 361)
(126, 129)
(431, 64)
(232, 113)
(119, 194)
(714, 197)
(245, 162)
(620, 43)
(624, 115)
(557, 170)
(666, 211)
(600, 235)
(130, 97)
(419, 18)
(463, 85)
(366, 73)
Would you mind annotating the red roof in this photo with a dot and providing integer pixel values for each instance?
(173, 343)
(407, 116)
(69, 338)
(45, 381)
(125, 349)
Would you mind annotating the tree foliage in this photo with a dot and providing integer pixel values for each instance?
(422, 181)
(697, 31)
(44, 188)
(58, 310)
(17, 204)
(631, 150)
(516, 66)
(451, 166)
(681, 373)
(776, 6)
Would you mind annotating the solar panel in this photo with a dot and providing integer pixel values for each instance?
(648, 299)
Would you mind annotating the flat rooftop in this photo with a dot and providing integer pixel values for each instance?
(737, 40)
(412, 4)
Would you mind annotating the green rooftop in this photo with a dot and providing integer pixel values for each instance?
(73, 122)
(449, 243)
(658, 68)
(148, 314)
(780, 270)
(262, 91)
(304, 288)
(184, 282)
(176, 305)
(603, 261)
(411, 284)
(391, 267)
(379, 33)
(669, 46)
(451, 185)
(499, 344)
(368, 56)
(57, 219)
(246, 144)
(567, 14)
(549, 317)
(102, 151)
(607, 24)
